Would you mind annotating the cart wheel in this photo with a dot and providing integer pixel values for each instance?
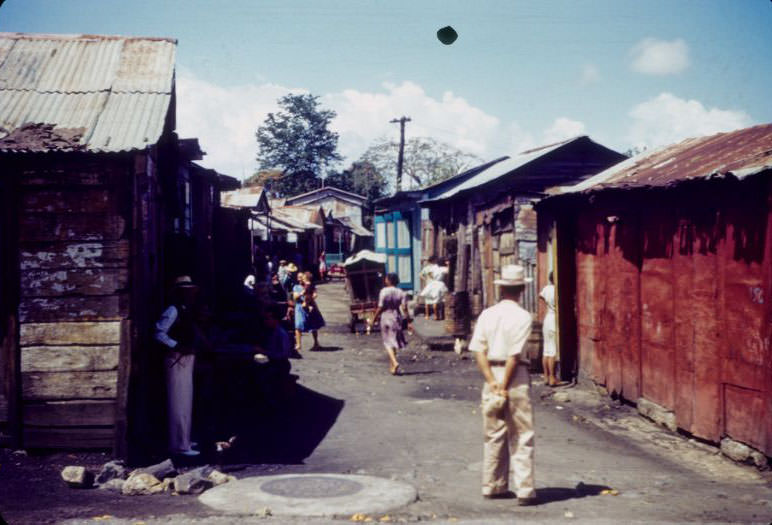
(352, 325)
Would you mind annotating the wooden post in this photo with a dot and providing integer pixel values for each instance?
(461, 261)
(12, 380)
(121, 446)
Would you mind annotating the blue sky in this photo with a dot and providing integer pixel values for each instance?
(628, 73)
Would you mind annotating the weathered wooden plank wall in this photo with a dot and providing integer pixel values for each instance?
(672, 305)
(74, 282)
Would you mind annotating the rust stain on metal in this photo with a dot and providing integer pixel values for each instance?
(41, 137)
(739, 153)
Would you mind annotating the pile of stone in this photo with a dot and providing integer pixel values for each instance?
(161, 477)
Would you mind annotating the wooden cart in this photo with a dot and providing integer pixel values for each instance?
(364, 280)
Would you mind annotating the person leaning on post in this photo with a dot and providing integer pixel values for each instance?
(498, 340)
(179, 334)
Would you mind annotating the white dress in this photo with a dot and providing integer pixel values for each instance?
(548, 326)
(436, 288)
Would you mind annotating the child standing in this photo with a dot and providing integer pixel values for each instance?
(308, 318)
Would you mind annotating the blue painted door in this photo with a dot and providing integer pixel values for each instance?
(393, 237)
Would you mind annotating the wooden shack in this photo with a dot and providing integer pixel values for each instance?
(489, 221)
(90, 164)
(665, 275)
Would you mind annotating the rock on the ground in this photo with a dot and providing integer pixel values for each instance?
(77, 477)
(658, 414)
(195, 481)
(111, 470)
(115, 484)
(140, 483)
(561, 397)
(743, 453)
(164, 469)
(218, 478)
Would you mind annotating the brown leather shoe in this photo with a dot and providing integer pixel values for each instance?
(527, 502)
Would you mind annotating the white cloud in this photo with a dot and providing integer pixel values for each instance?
(225, 120)
(666, 119)
(590, 75)
(364, 117)
(563, 128)
(660, 57)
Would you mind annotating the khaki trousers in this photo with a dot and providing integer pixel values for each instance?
(509, 437)
(179, 398)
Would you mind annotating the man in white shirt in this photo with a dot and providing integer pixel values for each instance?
(498, 340)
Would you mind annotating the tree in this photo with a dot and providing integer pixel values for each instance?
(297, 141)
(426, 162)
(362, 178)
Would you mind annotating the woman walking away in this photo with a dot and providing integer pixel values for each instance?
(308, 318)
(549, 332)
(392, 302)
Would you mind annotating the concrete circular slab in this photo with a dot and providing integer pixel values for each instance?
(310, 495)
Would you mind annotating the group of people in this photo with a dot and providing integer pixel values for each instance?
(498, 341)
(267, 315)
(296, 292)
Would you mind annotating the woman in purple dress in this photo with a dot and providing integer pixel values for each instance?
(392, 302)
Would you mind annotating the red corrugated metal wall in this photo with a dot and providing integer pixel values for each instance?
(673, 304)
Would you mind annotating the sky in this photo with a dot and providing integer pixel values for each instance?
(628, 73)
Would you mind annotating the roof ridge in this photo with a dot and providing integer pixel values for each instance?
(19, 35)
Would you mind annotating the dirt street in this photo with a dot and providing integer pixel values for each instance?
(424, 428)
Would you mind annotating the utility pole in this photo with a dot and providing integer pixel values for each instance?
(400, 159)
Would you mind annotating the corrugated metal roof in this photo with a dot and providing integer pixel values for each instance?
(501, 168)
(117, 88)
(248, 197)
(739, 153)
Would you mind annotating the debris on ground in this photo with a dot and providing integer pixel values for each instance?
(77, 477)
(140, 484)
(111, 470)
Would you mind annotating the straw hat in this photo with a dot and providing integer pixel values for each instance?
(184, 281)
(291, 268)
(512, 275)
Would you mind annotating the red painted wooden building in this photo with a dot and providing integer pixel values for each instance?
(665, 282)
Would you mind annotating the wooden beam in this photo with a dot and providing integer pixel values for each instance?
(68, 438)
(42, 256)
(52, 283)
(69, 227)
(69, 358)
(76, 413)
(85, 308)
(68, 385)
(120, 411)
(87, 333)
(66, 201)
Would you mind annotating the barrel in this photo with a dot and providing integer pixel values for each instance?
(457, 313)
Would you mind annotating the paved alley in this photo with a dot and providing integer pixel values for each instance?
(423, 429)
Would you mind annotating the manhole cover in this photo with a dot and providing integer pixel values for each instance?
(310, 495)
(312, 487)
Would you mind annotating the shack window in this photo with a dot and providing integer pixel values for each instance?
(403, 234)
(380, 235)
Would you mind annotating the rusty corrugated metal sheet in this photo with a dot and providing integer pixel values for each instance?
(117, 89)
(740, 153)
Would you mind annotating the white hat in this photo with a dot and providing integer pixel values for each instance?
(184, 281)
(512, 275)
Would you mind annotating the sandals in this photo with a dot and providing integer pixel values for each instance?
(396, 371)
